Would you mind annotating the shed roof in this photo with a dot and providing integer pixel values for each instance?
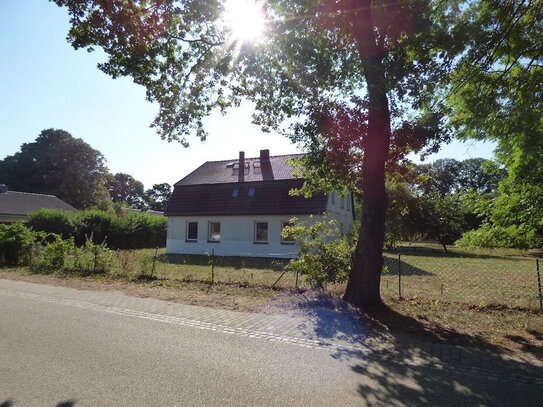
(22, 203)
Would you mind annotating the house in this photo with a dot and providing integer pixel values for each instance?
(239, 208)
(16, 206)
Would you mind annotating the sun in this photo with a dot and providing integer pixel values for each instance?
(245, 19)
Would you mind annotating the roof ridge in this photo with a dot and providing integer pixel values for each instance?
(253, 158)
(29, 193)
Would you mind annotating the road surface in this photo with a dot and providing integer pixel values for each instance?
(64, 347)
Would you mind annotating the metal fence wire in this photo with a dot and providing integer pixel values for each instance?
(477, 280)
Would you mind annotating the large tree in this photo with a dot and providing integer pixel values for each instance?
(59, 164)
(367, 68)
(157, 197)
(496, 93)
(124, 188)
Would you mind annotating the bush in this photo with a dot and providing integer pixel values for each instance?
(55, 255)
(138, 231)
(16, 243)
(63, 223)
(62, 255)
(95, 224)
(126, 231)
(324, 255)
(488, 236)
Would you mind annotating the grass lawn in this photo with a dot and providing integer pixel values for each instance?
(476, 277)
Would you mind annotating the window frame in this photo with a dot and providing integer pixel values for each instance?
(285, 223)
(255, 234)
(209, 239)
(187, 231)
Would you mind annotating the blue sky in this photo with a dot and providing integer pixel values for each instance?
(45, 83)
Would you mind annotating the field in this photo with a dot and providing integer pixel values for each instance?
(482, 278)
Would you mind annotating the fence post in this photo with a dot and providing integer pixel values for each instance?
(154, 262)
(95, 260)
(296, 284)
(212, 265)
(539, 284)
(399, 276)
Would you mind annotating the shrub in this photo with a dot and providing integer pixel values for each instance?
(488, 236)
(126, 231)
(92, 258)
(63, 223)
(62, 255)
(55, 255)
(324, 255)
(95, 224)
(16, 243)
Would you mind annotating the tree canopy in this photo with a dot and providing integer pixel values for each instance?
(125, 188)
(59, 164)
(358, 82)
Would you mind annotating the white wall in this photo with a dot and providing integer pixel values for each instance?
(237, 236)
(238, 232)
(342, 215)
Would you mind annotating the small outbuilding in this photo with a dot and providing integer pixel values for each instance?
(16, 206)
(239, 207)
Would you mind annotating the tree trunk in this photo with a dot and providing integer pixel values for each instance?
(363, 287)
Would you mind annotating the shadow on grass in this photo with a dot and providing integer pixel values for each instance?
(235, 262)
(402, 361)
(407, 269)
(453, 252)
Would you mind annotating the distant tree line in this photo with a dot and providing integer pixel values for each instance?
(59, 164)
(472, 203)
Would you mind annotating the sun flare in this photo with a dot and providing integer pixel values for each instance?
(245, 19)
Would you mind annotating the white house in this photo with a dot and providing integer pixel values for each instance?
(239, 208)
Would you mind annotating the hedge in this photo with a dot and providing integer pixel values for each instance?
(128, 230)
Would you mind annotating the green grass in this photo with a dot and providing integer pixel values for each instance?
(476, 277)
(504, 277)
(238, 270)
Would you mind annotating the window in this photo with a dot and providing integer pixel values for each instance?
(235, 192)
(214, 234)
(342, 202)
(192, 231)
(333, 196)
(251, 192)
(261, 232)
(288, 239)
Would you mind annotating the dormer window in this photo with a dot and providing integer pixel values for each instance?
(251, 192)
(235, 192)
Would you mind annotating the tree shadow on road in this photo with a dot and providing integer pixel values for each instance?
(404, 362)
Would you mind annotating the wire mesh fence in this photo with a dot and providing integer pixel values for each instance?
(477, 280)
(511, 281)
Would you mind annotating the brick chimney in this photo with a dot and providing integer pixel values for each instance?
(241, 171)
(264, 155)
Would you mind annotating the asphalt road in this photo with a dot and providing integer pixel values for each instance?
(55, 353)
